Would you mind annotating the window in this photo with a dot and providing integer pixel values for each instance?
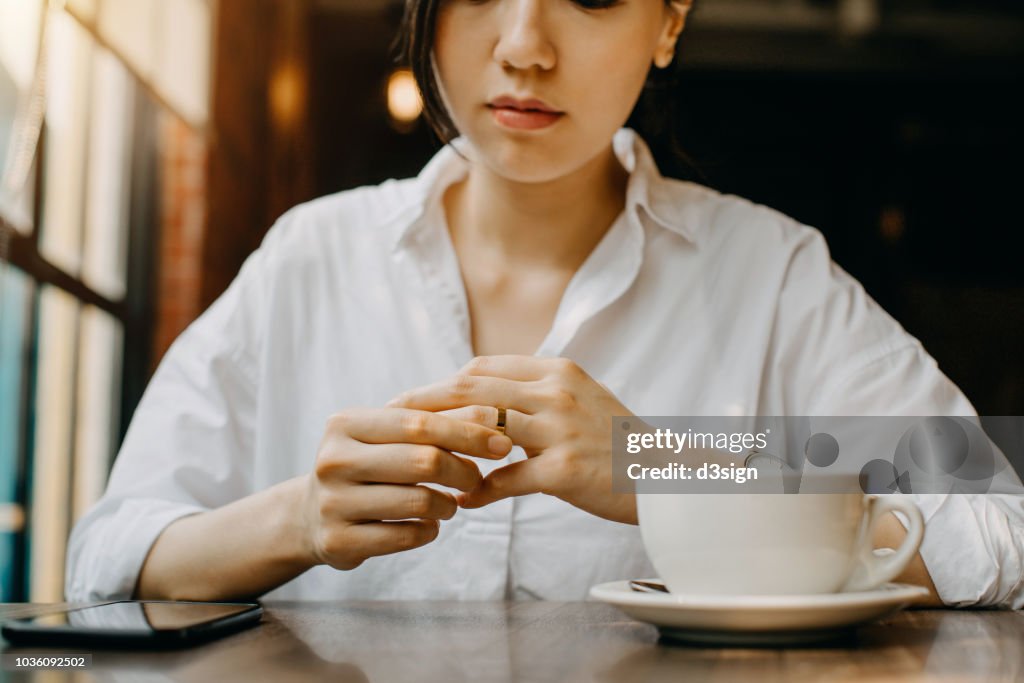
(82, 107)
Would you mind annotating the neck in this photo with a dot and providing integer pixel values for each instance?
(550, 225)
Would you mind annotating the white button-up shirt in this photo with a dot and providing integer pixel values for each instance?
(693, 303)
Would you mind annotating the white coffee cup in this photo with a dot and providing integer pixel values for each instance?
(773, 544)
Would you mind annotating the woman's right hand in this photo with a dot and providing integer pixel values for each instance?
(365, 497)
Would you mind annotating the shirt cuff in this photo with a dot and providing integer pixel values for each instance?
(107, 552)
(973, 548)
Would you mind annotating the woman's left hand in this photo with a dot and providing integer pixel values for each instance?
(560, 416)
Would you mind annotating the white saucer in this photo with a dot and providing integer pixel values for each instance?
(757, 619)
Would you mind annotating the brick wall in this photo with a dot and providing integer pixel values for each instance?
(183, 171)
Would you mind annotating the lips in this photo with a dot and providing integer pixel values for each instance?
(524, 114)
(531, 104)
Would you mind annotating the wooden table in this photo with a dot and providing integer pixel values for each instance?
(395, 642)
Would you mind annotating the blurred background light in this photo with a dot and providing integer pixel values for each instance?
(287, 95)
(404, 101)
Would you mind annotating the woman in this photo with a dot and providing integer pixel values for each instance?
(541, 264)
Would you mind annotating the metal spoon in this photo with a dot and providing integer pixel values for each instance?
(648, 586)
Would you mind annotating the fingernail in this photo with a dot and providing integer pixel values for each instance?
(499, 445)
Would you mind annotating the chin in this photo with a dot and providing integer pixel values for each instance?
(524, 160)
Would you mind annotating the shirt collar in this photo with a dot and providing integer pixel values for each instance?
(668, 203)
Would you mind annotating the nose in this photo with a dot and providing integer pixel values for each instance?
(524, 36)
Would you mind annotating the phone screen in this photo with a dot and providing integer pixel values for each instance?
(140, 616)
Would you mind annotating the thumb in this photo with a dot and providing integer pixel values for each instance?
(518, 479)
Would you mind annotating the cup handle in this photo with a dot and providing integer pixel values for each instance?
(873, 570)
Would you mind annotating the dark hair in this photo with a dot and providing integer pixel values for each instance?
(654, 117)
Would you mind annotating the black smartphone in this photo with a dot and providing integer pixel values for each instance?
(134, 624)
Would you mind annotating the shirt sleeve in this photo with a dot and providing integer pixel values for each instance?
(189, 446)
(844, 355)
(973, 545)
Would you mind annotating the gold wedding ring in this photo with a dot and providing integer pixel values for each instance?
(501, 420)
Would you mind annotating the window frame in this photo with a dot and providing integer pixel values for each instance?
(20, 248)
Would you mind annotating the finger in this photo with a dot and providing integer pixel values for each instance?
(411, 464)
(485, 416)
(518, 479)
(390, 502)
(520, 368)
(405, 426)
(384, 538)
(524, 430)
(460, 390)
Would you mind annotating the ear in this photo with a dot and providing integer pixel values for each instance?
(676, 11)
